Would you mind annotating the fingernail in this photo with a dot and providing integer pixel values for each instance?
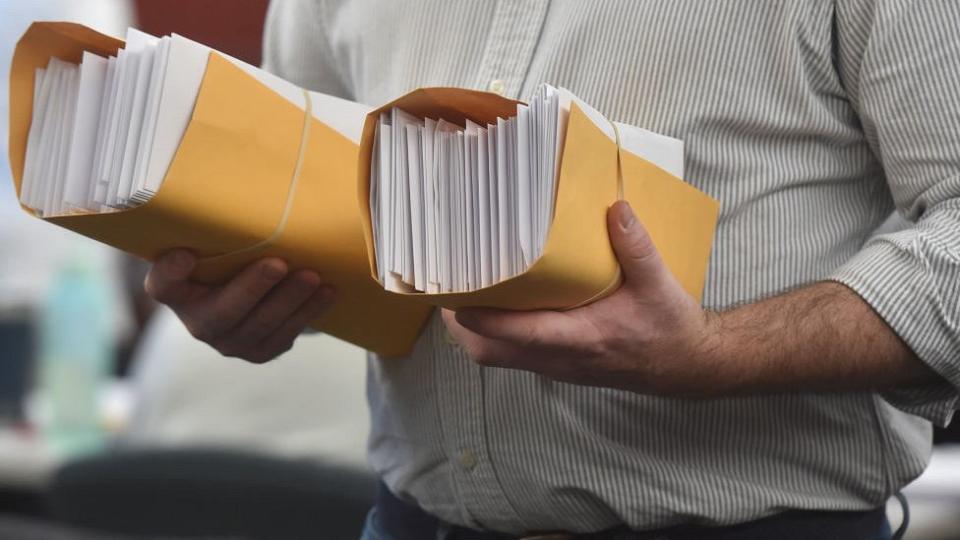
(448, 337)
(626, 217)
(312, 279)
(272, 272)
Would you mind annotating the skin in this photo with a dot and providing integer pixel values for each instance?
(256, 316)
(649, 337)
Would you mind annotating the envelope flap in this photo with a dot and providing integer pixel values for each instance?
(454, 105)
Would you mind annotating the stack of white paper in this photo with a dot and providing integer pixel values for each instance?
(103, 133)
(89, 140)
(458, 208)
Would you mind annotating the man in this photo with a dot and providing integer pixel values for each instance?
(791, 405)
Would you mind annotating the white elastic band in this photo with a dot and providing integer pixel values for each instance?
(618, 277)
(291, 191)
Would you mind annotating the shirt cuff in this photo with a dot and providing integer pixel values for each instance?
(905, 281)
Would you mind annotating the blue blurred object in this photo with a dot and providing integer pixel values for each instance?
(76, 351)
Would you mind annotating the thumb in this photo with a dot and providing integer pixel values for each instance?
(638, 256)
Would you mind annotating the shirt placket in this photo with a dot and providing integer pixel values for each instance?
(506, 60)
(480, 498)
(511, 45)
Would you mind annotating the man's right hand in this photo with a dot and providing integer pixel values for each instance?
(256, 316)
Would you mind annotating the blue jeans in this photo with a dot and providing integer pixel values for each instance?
(373, 530)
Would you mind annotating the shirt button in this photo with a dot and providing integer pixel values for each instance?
(467, 459)
(498, 87)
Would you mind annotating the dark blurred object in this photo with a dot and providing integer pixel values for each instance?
(22, 502)
(134, 271)
(232, 27)
(949, 434)
(17, 346)
(193, 493)
(21, 528)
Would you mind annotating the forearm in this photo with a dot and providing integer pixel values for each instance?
(821, 338)
(651, 337)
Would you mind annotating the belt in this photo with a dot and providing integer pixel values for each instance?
(406, 521)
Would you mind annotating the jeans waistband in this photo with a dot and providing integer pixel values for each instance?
(406, 521)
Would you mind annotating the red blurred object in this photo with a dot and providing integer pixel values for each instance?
(234, 27)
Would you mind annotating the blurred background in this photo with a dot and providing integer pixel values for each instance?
(115, 423)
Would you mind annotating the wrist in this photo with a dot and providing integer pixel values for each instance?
(721, 374)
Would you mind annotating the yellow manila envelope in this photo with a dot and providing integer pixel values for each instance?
(578, 264)
(253, 176)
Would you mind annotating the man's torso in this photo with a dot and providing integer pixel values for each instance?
(756, 91)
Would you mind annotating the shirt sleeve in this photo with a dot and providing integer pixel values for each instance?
(900, 63)
(296, 47)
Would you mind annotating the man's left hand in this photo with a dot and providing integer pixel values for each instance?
(649, 336)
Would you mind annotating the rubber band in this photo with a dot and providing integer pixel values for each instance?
(291, 191)
(618, 276)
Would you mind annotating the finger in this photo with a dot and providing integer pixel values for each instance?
(481, 349)
(168, 281)
(208, 321)
(281, 340)
(635, 250)
(525, 328)
(275, 308)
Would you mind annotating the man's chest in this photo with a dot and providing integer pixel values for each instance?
(636, 61)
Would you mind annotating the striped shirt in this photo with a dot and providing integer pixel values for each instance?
(810, 120)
